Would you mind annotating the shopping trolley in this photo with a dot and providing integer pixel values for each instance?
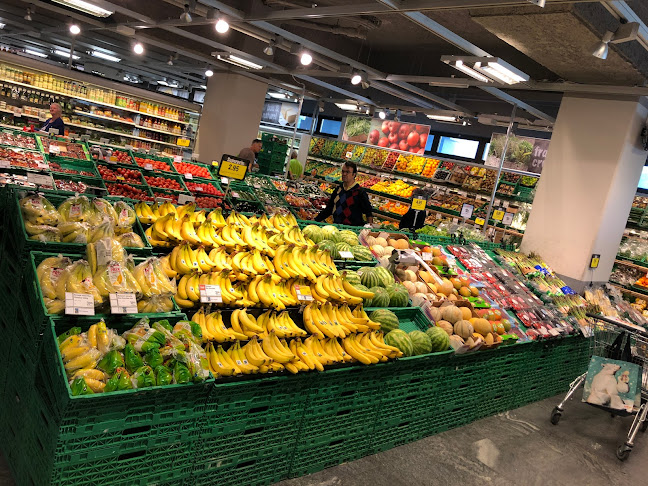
(605, 332)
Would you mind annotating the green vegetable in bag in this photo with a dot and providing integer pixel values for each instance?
(181, 373)
(111, 361)
(163, 375)
(165, 324)
(132, 360)
(144, 377)
(80, 387)
(124, 381)
(153, 358)
(113, 383)
(70, 332)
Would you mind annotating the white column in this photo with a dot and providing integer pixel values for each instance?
(589, 179)
(231, 115)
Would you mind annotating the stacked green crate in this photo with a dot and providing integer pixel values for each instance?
(272, 158)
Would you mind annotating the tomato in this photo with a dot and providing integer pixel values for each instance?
(393, 138)
(423, 139)
(383, 142)
(413, 139)
(403, 131)
(394, 146)
(374, 135)
(402, 145)
(393, 127)
(385, 127)
(422, 129)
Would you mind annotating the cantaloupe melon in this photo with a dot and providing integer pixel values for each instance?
(435, 313)
(482, 326)
(465, 311)
(446, 326)
(451, 313)
(464, 329)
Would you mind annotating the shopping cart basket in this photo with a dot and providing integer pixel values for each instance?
(605, 333)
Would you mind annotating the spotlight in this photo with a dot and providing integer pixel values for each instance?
(320, 106)
(361, 78)
(269, 50)
(625, 33)
(186, 15)
(138, 48)
(208, 72)
(306, 58)
(382, 115)
(539, 3)
(356, 78)
(170, 61)
(222, 25)
(601, 49)
(28, 16)
(75, 29)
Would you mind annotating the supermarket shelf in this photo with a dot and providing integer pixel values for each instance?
(87, 100)
(101, 117)
(630, 264)
(634, 292)
(141, 127)
(112, 132)
(472, 221)
(26, 115)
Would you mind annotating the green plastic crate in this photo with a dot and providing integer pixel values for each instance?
(74, 164)
(409, 318)
(90, 182)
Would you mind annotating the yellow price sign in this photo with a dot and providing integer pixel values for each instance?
(232, 168)
(418, 204)
(479, 221)
(498, 215)
(183, 142)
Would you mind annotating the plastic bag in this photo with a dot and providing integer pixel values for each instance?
(37, 229)
(181, 373)
(152, 279)
(49, 234)
(38, 210)
(170, 340)
(188, 331)
(103, 211)
(77, 278)
(49, 271)
(163, 376)
(126, 217)
(80, 387)
(143, 337)
(104, 251)
(104, 230)
(153, 358)
(131, 240)
(73, 232)
(156, 304)
(113, 278)
(111, 361)
(132, 359)
(143, 377)
(77, 209)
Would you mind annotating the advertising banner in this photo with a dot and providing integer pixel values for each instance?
(284, 114)
(408, 137)
(522, 153)
(356, 129)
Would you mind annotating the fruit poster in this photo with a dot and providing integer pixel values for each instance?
(356, 129)
(408, 137)
(522, 153)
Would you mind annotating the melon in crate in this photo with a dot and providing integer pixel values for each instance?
(421, 343)
(464, 329)
(349, 237)
(352, 277)
(365, 302)
(342, 246)
(368, 277)
(361, 253)
(329, 231)
(329, 246)
(401, 340)
(385, 276)
(451, 313)
(313, 232)
(381, 297)
(439, 339)
(446, 326)
(387, 319)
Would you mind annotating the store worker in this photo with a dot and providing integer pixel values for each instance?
(349, 203)
(56, 121)
(295, 169)
(415, 219)
(250, 153)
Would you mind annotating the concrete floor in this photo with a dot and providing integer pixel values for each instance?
(518, 448)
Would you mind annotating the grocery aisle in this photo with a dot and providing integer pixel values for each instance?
(519, 447)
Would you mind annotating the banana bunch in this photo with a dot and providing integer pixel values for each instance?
(75, 278)
(237, 219)
(270, 290)
(283, 221)
(104, 211)
(216, 218)
(213, 328)
(255, 237)
(184, 260)
(147, 214)
(37, 210)
(49, 271)
(290, 236)
(279, 323)
(166, 208)
(329, 287)
(109, 248)
(101, 231)
(36, 230)
(188, 292)
(250, 263)
(166, 267)
(245, 323)
(327, 320)
(78, 353)
(77, 209)
(152, 279)
(209, 235)
(73, 232)
(292, 261)
(239, 360)
(125, 217)
(155, 305)
(369, 348)
(131, 240)
(114, 278)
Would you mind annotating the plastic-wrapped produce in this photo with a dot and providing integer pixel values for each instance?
(115, 278)
(103, 211)
(73, 232)
(38, 210)
(126, 217)
(77, 208)
(131, 240)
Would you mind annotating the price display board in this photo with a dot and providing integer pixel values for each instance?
(233, 167)
(418, 204)
(467, 210)
(508, 219)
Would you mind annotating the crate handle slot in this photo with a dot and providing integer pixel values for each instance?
(343, 412)
(130, 455)
(136, 430)
(253, 430)
(347, 393)
(404, 424)
(259, 409)
(464, 385)
(336, 442)
(245, 464)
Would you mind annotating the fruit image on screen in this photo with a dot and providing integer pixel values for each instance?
(408, 137)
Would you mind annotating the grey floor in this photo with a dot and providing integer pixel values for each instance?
(517, 448)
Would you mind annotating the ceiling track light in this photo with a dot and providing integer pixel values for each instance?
(539, 3)
(28, 15)
(138, 48)
(269, 49)
(170, 61)
(75, 29)
(443, 118)
(305, 58)
(209, 72)
(486, 69)
(185, 16)
(222, 25)
(382, 115)
(625, 33)
(360, 78)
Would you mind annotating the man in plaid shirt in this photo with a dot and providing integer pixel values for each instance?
(349, 203)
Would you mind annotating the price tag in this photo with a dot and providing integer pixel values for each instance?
(418, 204)
(111, 161)
(54, 149)
(214, 163)
(123, 303)
(5, 164)
(198, 188)
(480, 221)
(177, 158)
(72, 135)
(183, 142)
(184, 199)
(104, 140)
(148, 166)
(188, 176)
(152, 151)
(53, 131)
(210, 294)
(224, 180)
(303, 293)
(79, 304)
(232, 168)
(120, 178)
(85, 138)
(426, 257)
(349, 155)
(346, 255)
(467, 210)
(43, 180)
(508, 219)
(114, 159)
(498, 215)
(162, 200)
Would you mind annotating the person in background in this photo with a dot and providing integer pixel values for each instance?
(295, 169)
(349, 203)
(250, 153)
(412, 220)
(55, 121)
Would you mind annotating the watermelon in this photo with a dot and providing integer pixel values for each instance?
(439, 339)
(365, 302)
(361, 253)
(421, 342)
(387, 319)
(342, 246)
(349, 237)
(386, 277)
(401, 340)
(352, 277)
(397, 297)
(368, 277)
(380, 298)
(313, 232)
(330, 246)
(328, 231)
(295, 168)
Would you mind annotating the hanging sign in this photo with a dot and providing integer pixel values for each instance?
(233, 167)
(498, 215)
(183, 142)
(467, 210)
(418, 204)
(508, 219)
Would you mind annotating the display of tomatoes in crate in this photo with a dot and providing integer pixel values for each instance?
(211, 202)
(193, 169)
(204, 188)
(163, 182)
(128, 191)
(170, 196)
(151, 164)
(120, 157)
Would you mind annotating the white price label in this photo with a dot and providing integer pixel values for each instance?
(426, 257)
(210, 294)
(79, 304)
(188, 176)
(177, 158)
(346, 255)
(53, 131)
(198, 188)
(104, 140)
(148, 166)
(17, 111)
(128, 147)
(123, 303)
(184, 199)
(54, 149)
(110, 161)
(43, 180)
(508, 219)
(224, 180)
(467, 210)
(5, 164)
(235, 194)
(349, 155)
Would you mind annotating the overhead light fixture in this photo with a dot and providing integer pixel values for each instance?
(238, 61)
(347, 107)
(320, 106)
(138, 48)
(305, 58)
(202, 86)
(28, 16)
(539, 3)
(162, 82)
(382, 115)
(486, 69)
(186, 15)
(62, 53)
(2, 26)
(356, 78)
(442, 118)
(75, 29)
(222, 25)
(208, 72)
(625, 33)
(103, 55)
(35, 53)
(269, 49)
(279, 96)
(170, 61)
(85, 7)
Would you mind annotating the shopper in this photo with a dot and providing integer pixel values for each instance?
(250, 153)
(56, 121)
(349, 203)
